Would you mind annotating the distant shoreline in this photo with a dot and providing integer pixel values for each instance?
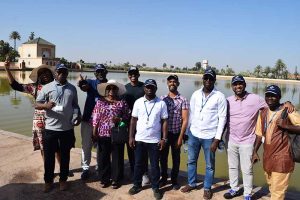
(250, 79)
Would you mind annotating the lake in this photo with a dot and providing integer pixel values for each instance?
(17, 109)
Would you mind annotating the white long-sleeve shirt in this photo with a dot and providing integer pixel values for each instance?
(208, 114)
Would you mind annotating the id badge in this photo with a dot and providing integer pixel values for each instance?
(263, 139)
(58, 108)
(148, 125)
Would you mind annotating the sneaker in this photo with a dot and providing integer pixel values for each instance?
(187, 189)
(207, 194)
(63, 186)
(157, 194)
(134, 190)
(115, 185)
(232, 193)
(85, 175)
(47, 187)
(248, 197)
(175, 186)
(146, 180)
(104, 184)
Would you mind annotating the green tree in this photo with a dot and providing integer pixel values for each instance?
(164, 65)
(258, 71)
(229, 71)
(198, 66)
(267, 70)
(280, 69)
(144, 64)
(7, 50)
(31, 36)
(14, 36)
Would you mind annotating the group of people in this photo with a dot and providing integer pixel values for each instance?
(158, 124)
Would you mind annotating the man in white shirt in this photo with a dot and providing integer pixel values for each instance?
(148, 133)
(208, 110)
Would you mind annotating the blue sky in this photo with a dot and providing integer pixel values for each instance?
(241, 34)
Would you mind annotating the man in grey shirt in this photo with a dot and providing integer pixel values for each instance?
(59, 100)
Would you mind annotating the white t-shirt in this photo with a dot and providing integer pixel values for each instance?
(149, 114)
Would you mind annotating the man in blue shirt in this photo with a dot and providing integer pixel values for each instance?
(90, 87)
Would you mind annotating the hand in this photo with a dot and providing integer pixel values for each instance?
(255, 158)
(116, 119)
(214, 145)
(161, 144)
(94, 137)
(132, 142)
(76, 121)
(290, 107)
(179, 143)
(82, 83)
(49, 105)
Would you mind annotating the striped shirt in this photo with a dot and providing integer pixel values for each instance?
(175, 106)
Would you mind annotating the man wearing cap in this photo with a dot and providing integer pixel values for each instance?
(134, 91)
(59, 99)
(208, 110)
(148, 133)
(178, 110)
(90, 87)
(278, 163)
(243, 110)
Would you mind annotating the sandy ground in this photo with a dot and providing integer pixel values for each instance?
(21, 177)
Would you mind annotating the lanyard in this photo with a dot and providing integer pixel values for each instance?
(148, 114)
(267, 124)
(59, 94)
(206, 99)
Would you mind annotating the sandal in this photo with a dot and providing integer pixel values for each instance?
(187, 189)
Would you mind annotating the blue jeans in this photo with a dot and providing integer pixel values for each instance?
(194, 146)
(141, 149)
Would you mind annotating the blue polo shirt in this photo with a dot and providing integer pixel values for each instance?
(91, 98)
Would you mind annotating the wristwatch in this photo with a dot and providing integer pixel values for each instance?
(165, 139)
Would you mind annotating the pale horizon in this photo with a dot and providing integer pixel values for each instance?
(241, 34)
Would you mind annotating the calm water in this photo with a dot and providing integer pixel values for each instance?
(16, 110)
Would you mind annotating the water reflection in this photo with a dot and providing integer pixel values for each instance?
(17, 111)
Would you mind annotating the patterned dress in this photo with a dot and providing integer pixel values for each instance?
(104, 112)
(38, 124)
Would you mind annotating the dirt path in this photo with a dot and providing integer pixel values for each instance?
(21, 177)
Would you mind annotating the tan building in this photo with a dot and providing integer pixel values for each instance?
(36, 52)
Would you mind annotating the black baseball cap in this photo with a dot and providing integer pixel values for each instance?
(237, 78)
(150, 82)
(273, 89)
(172, 76)
(210, 72)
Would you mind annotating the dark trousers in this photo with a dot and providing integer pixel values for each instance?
(130, 153)
(172, 141)
(141, 150)
(110, 160)
(54, 140)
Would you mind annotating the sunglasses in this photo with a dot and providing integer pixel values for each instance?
(210, 78)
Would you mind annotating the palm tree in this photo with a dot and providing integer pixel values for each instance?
(14, 36)
(31, 36)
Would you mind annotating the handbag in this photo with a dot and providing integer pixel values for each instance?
(294, 140)
(119, 135)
